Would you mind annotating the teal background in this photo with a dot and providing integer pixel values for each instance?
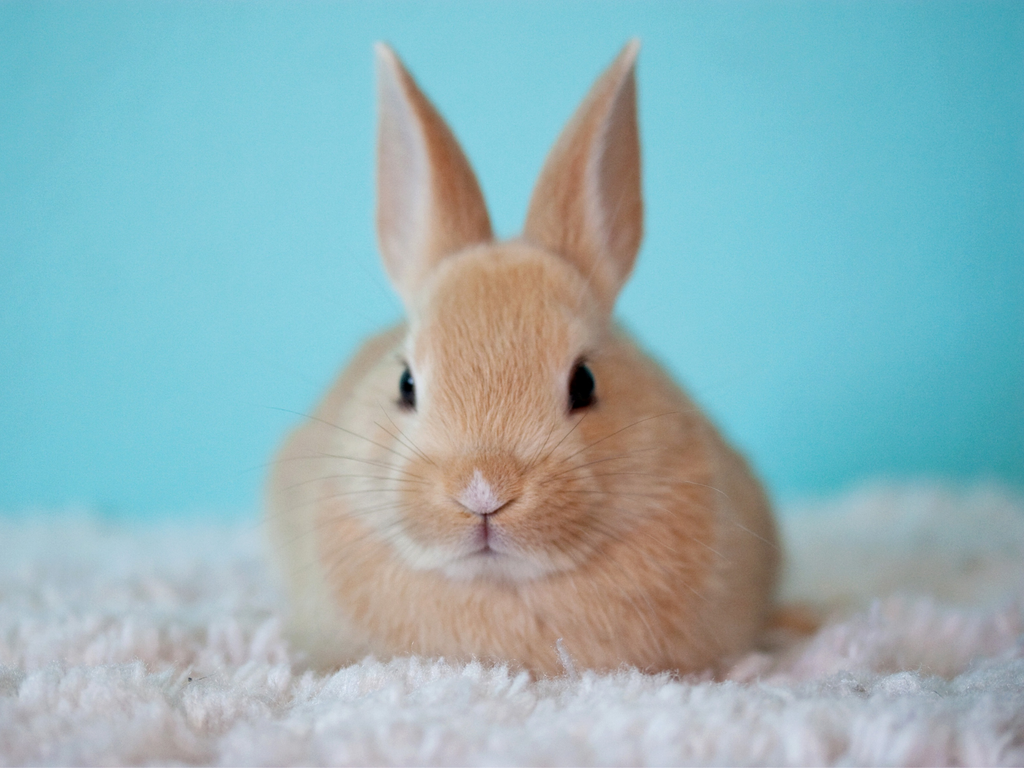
(834, 260)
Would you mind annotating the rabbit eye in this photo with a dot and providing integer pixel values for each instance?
(581, 388)
(407, 389)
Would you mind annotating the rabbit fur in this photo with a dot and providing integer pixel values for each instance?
(484, 516)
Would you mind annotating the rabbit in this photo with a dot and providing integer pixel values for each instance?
(506, 476)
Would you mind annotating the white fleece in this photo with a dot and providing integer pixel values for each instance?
(161, 643)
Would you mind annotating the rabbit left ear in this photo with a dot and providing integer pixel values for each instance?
(429, 203)
(587, 205)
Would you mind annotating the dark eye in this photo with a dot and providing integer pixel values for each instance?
(581, 388)
(407, 389)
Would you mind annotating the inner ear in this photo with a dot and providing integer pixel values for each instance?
(587, 205)
(429, 204)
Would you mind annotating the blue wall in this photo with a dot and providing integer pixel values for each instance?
(834, 261)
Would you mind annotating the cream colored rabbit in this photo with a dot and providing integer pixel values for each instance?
(507, 469)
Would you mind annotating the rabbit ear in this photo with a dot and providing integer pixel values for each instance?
(587, 205)
(429, 203)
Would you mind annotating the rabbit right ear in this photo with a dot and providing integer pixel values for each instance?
(587, 206)
(429, 203)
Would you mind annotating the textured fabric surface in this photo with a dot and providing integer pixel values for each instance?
(162, 643)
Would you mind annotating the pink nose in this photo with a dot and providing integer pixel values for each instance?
(479, 496)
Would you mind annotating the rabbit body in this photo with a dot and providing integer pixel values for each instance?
(546, 484)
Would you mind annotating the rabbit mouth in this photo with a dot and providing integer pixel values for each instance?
(487, 540)
(492, 554)
(485, 537)
(488, 554)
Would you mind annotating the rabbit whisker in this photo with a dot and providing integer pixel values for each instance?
(756, 535)
(408, 443)
(549, 453)
(319, 456)
(342, 429)
(693, 539)
(693, 483)
(600, 492)
(667, 480)
(329, 520)
(616, 432)
(371, 463)
(597, 461)
(361, 477)
(284, 512)
(533, 460)
(333, 496)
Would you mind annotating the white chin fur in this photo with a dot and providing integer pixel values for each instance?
(466, 563)
(494, 566)
(418, 557)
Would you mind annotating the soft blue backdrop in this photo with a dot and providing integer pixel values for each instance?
(834, 261)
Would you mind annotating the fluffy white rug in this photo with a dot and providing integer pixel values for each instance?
(161, 643)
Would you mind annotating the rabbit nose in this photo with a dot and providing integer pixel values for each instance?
(479, 496)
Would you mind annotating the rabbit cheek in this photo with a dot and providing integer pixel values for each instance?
(428, 534)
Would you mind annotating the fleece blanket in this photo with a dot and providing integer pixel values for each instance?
(162, 643)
